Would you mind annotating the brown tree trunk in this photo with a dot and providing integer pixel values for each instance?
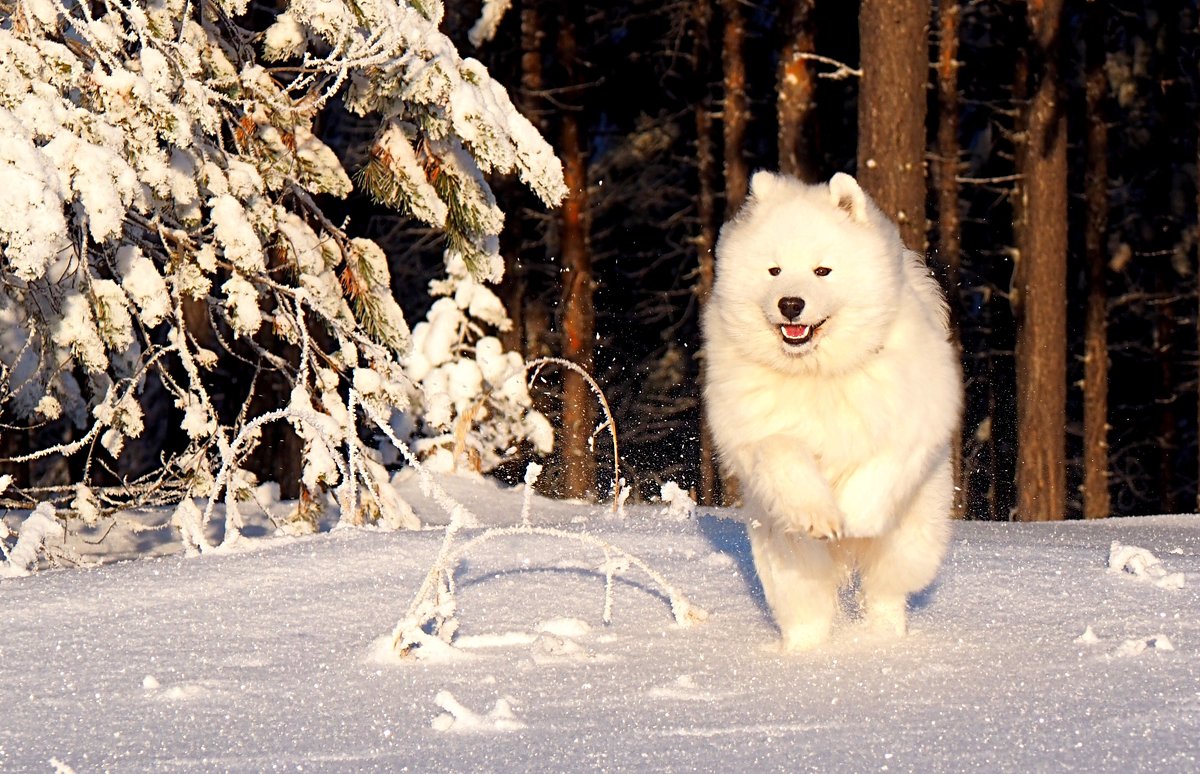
(795, 102)
(1041, 277)
(1096, 498)
(578, 311)
(947, 166)
(1168, 428)
(734, 113)
(946, 184)
(280, 451)
(532, 81)
(894, 56)
(706, 235)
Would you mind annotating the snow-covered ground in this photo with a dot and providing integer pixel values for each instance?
(1030, 654)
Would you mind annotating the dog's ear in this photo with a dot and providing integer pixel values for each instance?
(763, 184)
(847, 195)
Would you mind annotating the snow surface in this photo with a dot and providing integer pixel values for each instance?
(1029, 654)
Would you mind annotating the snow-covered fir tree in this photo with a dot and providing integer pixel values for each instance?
(160, 172)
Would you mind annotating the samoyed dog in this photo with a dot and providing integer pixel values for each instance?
(832, 391)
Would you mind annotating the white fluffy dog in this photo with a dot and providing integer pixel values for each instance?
(832, 391)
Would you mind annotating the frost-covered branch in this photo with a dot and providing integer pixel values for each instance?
(840, 71)
(535, 365)
(433, 609)
(161, 181)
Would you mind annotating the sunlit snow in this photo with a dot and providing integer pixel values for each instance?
(262, 658)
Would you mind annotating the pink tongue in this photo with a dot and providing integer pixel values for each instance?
(795, 331)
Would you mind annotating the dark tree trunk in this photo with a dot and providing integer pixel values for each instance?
(795, 102)
(1041, 277)
(1096, 498)
(516, 291)
(947, 166)
(578, 311)
(280, 451)
(706, 233)
(894, 55)
(1168, 428)
(734, 117)
(532, 80)
(946, 183)
(734, 112)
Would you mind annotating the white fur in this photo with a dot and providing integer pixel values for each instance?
(841, 444)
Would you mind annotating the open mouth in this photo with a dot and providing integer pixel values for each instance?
(796, 335)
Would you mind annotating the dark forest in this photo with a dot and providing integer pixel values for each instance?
(667, 108)
(1043, 155)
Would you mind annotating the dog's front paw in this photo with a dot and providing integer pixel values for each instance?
(816, 522)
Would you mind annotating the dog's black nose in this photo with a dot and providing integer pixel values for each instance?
(791, 307)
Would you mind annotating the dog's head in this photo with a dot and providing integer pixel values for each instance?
(808, 277)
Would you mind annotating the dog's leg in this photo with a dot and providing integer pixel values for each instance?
(905, 559)
(881, 489)
(782, 477)
(800, 581)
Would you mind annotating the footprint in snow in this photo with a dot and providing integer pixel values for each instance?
(551, 649)
(1137, 646)
(1129, 648)
(180, 691)
(457, 718)
(1143, 565)
(684, 688)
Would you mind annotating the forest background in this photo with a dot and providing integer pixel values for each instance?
(1048, 151)
(1044, 154)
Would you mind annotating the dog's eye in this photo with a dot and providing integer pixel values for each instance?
(822, 271)
(774, 271)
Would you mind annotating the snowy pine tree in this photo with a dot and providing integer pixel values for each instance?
(160, 173)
